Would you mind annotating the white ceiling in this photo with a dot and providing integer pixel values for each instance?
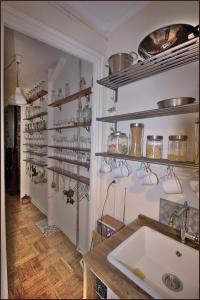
(104, 16)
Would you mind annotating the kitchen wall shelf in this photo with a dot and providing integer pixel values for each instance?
(35, 153)
(85, 125)
(184, 109)
(35, 145)
(85, 92)
(35, 130)
(166, 162)
(44, 113)
(70, 175)
(35, 163)
(38, 96)
(175, 57)
(71, 148)
(70, 161)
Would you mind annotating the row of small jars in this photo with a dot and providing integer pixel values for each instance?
(118, 143)
(35, 126)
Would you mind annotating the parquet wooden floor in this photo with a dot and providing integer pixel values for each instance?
(39, 267)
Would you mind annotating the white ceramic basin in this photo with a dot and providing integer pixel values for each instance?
(155, 254)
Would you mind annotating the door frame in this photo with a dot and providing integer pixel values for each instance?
(31, 27)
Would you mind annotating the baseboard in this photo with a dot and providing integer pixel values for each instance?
(39, 207)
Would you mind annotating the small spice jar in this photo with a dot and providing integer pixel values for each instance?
(118, 143)
(177, 148)
(136, 144)
(154, 146)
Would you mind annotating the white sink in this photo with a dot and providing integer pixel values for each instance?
(155, 254)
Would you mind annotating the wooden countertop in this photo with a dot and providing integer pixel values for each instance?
(96, 259)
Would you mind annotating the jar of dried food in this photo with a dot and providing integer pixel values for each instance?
(136, 144)
(118, 143)
(154, 147)
(196, 146)
(177, 148)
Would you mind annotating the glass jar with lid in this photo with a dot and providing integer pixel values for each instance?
(118, 143)
(177, 148)
(136, 144)
(154, 146)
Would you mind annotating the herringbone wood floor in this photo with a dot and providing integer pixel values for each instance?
(39, 267)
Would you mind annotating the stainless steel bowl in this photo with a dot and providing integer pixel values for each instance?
(175, 102)
(165, 38)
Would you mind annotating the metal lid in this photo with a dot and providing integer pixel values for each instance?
(155, 137)
(136, 125)
(178, 137)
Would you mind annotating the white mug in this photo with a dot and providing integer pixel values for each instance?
(141, 172)
(149, 179)
(121, 171)
(171, 183)
(105, 167)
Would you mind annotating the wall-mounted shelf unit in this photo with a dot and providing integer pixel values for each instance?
(70, 175)
(84, 125)
(166, 162)
(39, 115)
(82, 93)
(35, 145)
(35, 130)
(35, 153)
(70, 161)
(184, 109)
(71, 148)
(38, 96)
(175, 57)
(33, 162)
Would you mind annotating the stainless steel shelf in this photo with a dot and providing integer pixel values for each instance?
(82, 179)
(71, 161)
(184, 109)
(175, 57)
(166, 162)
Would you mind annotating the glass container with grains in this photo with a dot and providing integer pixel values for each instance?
(177, 148)
(118, 143)
(154, 146)
(136, 143)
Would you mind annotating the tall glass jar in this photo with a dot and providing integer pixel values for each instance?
(118, 143)
(196, 146)
(154, 146)
(136, 143)
(177, 148)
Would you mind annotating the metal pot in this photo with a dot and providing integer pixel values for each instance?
(165, 38)
(175, 102)
(120, 61)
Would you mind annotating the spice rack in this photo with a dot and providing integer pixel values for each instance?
(175, 57)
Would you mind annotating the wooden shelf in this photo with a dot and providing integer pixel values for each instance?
(39, 115)
(82, 93)
(70, 175)
(183, 109)
(35, 153)
(71, 148)
(70, 161)
(33, 162)
(38, 96)
(35, 145)
(172, 58)
(35, 130)
(166, 162)
(71, 126)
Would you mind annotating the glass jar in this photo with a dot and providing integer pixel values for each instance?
(136, 144)
(87, 112)
(118, 143)
(196, 146)
(177, 148)
(154, 146)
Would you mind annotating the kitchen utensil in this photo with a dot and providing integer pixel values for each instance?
(120, 61)
(165, 38)
(172, 102)
(53, 184)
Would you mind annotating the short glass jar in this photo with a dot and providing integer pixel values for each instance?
(177, 148)
(117, 143)
(154, 146)
(136, 139)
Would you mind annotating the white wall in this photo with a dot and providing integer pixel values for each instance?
(143, 95)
